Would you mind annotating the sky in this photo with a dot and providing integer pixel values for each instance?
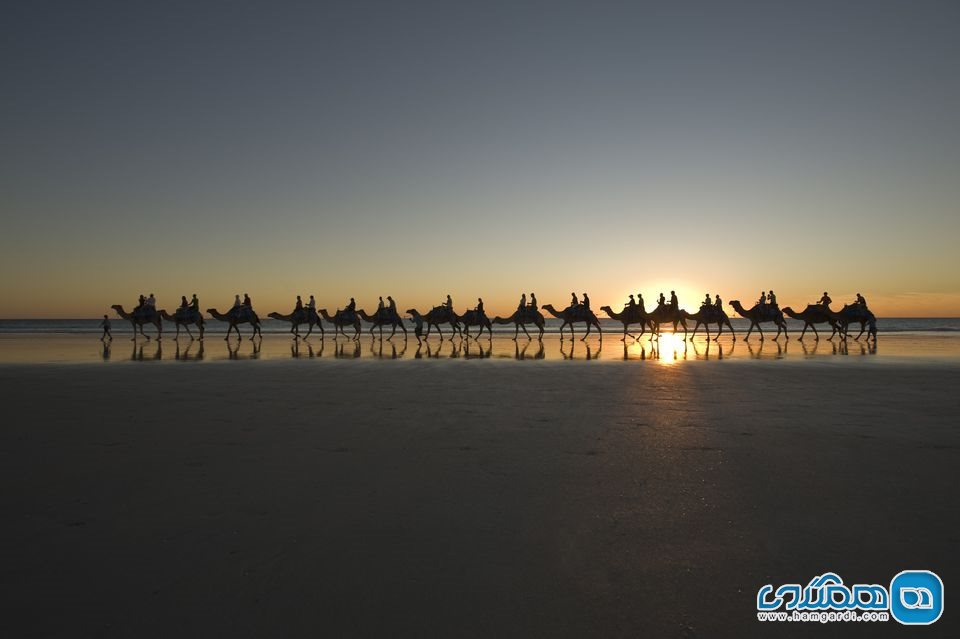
(478, 149)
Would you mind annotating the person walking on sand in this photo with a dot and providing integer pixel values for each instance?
(105, 324)
(417, 320)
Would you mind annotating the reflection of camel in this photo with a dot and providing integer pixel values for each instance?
(668, 314)
(473, 318)
(340, 319)
(340, 351)
(383, 317)
(708, 315)
(481, 354)
(630, 315)
(813, 314)
(185, 356)
(574, 314)
(235, 317)
(438, 315)
(376, 349)
(758, 315)
(185, 319)
(139, 319)
(306, 316)
(521, 353)
(520, 319)
(857, 314)
(233, 350)
(138, 353)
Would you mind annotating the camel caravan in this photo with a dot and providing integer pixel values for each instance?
(528, 313)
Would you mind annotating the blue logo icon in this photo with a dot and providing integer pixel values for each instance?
(916, 597)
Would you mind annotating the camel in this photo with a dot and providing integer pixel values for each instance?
(573, 314)
(855, 313)
(235, 317)
(306, 316)
(185, 318)
(138, 320)
(810, 316)
(630, 315)
(668, 314)
(522, 317)
(473, 318)
(758, 315)
(706, 316)
(438, 315)
(384, 317)
(340, 319)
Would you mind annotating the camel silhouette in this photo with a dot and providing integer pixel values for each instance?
(631, 315)
(573, 314)
(520, 319)
(708, 315)
(139, 320)
(473, 318)
(384, 317)
(857, 314)
(340, 319)
(758, 315)
(669, 314)
(810, 316)
(304, 316)
(235, 317)
(438, 315)
(185, 317)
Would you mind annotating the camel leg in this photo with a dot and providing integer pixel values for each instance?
(862, 328)
(393, 332)
(516, 330)
(803, 332)
(524, 327)
(599, 330)
(187, 328)
(706, 327)
(815, 333)
(585, 334)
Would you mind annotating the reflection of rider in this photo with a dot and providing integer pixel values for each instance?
(533, 302)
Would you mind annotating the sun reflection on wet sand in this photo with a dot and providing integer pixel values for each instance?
(669, 350)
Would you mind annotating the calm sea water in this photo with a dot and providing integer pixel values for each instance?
(81, 326)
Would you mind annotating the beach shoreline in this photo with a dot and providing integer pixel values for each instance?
(276, 498)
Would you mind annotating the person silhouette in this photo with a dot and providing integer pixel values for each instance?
(825, 300)
(298, 306)
(248, 303)
(312, 304)
(717, 303)
(662, 301)
(861, 301)
(393, 305)
(586, 301)
(533, 301)
(573, 299)
(105, 324)
(195, 303)
(673, 300)
(236, 301)
(449, 302)
(352, 306)
(763, 299)
(523, 302)
(772, 298)
(632, 301)
(707, 301)
(640, 301)
(380, 304)
(479, 307)
(183, 302)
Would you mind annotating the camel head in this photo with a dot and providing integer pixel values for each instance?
(412, 312)
(276, 316)
(117, 307)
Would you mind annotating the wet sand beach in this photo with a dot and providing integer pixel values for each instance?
(445, 497)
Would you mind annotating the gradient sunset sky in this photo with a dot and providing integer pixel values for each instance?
(481, 149)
